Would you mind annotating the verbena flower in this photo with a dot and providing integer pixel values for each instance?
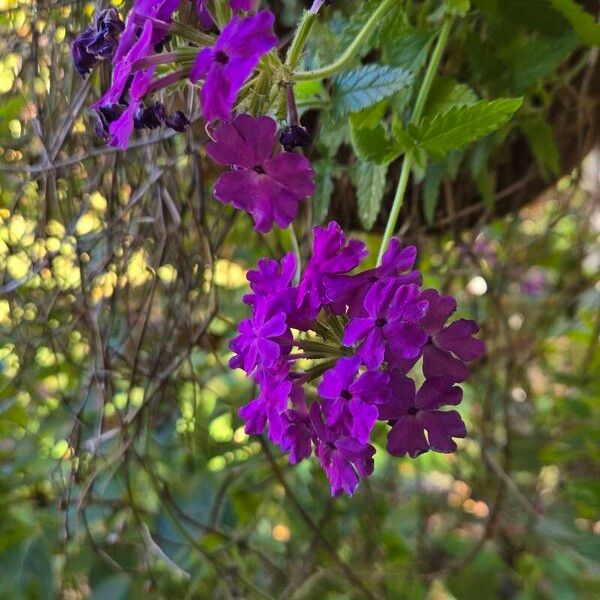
(226, 66)
(365, 378)
(411, 414)
(449, 347)
(263, 182)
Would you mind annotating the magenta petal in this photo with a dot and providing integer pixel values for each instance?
(440, 309)
(439, 363)
(441, 428)
(217, 101)
(255, 415)
(363, 418)
(407, 437)
(436, 392)
(457, 338)
(402, 397)
(293, 172)
(356, 330)
(201, 64)
(372, 350)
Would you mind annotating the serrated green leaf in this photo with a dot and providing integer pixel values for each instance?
(446, 93)
(324, 183)
(373, 145)
(369, 179)
(462, 125)
(363, 87)
(403, 137)
(583, 23)
(542, 141)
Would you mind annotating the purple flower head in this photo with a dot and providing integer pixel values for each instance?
(332, 255)
(412, 414)
(98, 42)
(154, 116)
(266, 185)
(391, 323)
(226, 66)
(448, 348)
(254, 346)
(343, 458)
(270, 404)
(397, 262)
(242, 4)
(270, 277)
(350, 401)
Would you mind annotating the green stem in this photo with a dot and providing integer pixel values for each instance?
(416, 117)
(191, 34)
(295, 50)
(351, 50)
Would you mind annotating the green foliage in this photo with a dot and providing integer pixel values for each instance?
(370, 180)
(363, 87)
(584, 24)
(462, 125)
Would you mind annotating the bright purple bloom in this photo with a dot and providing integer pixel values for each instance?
(253, 346)
(397, 262)
(270, 278)
(343, 458)
(332, 255)
(269, 406)
(448, 348)
(411, 414)
(226, 66)
(242, 4)
(98, 42)
(268, 186)
(350, 401)
(392, 314)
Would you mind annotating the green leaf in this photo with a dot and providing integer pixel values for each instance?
(583, 23)
(542, 141)
(446, 93)
(431, 190)
(462, 125)
(373, 145)
(369, 117)
(369, 179)
(366, 86)
(324, 182)
(408, 50)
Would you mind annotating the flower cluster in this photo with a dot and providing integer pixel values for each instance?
(137, 49)
(358, 335)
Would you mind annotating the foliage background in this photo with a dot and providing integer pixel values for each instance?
(124, 470)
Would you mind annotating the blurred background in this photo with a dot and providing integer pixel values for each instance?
(124, 469)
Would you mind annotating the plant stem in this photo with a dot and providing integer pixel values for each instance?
(416, 117)
(295, 50)
(351, 50)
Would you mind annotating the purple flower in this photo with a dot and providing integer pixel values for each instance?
(392, 314)
(270, 404)
(97, 43)
(411, 414)
(294, 136)
(298, 432)
(449, 347)
(332, 255)
(226, 66)
(242, 4)
(350, 401)
(266, 185)
(342, 457)
(270, 277)
(253, 346)
(351, 290)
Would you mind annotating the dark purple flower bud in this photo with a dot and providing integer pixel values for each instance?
(98, 42)
(294, 136)
(106, 115)
(151, 117)
(178, 121)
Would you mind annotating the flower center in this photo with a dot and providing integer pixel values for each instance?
(381, 322)
(346, 394)
(373, 279)
(258, 169)
(413, 410)
(221, 57)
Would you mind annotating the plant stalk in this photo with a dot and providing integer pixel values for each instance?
(416, 117)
